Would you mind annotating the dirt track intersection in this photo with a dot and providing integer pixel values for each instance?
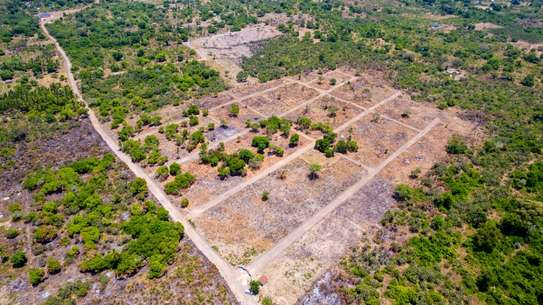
(306, 225)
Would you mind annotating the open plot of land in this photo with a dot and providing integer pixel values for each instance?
(234, 45)
(255, 224)
(224, 116)
(412, 113)
(327, 110)
(283, 99)
(426, 152)
(421, 156)
(246, 89)
(227, 50)
(323, 246)
(213, 101)
(362, 93)
(365, 91)
(355, 91)
(377, 138)
(306, 225)
(328, 80)
(209, 186)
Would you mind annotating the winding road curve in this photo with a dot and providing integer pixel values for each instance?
(232, 276)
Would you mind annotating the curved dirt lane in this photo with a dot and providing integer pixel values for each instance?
(232, 276)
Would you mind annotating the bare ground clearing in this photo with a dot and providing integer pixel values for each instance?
(226, 50)
(330, 79)
(305, 226)
(327, 110)
(223, 114)
(283, 99)
(256, 224)
(324, 246)
(377, 138)
(208, 184)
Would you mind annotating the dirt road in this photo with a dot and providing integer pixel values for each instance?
(196, 212)
(232, 276)
(295, 235)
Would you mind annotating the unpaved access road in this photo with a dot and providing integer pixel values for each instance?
(232, 276)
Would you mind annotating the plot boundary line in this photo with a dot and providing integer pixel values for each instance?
(262, 260)
(198, 211)
(229, 274)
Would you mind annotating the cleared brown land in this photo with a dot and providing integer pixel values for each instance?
(225, 51)
(306, 225)
(377, 138)
(255, 225)
(328, 110)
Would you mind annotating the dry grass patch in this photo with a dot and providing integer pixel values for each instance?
(256, 224)
(327, 110)
(226, 115)
(282, 99)
(329, 80)
(377, 138)
(245, 89)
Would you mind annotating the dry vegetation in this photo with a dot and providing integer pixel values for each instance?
(269, 202)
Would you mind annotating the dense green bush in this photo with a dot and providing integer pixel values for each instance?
(18, 259)
(35, 275)
(87, 214)
(53, 266)
(181, 181)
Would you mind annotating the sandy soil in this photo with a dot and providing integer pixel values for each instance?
(226, 50)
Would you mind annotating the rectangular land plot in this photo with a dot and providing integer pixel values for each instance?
(327, 110)
(254, 225)
(369, 203)
(325, 244)
(283, 99)
(292, 274)
(412, 113)
(208, 185)
(223, 115)
(356, 91)
(249, 89)
(329, 80)
(377, 138)
(420, 157)
(209, 102)
(378, 88)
